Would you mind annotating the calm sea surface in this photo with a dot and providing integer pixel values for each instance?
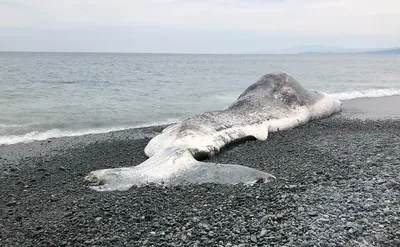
(46, 95)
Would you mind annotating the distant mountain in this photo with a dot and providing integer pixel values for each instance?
(356, 51)
(299, 49)
(319, 49)
(390, 51)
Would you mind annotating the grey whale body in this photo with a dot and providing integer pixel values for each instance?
(275, 102)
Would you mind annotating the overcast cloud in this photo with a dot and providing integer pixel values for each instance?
(196, 25)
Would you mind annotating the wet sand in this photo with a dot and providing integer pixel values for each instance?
(373, 108)
(338, 184)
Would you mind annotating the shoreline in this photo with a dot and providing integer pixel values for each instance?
(337, 184)
(362, 108)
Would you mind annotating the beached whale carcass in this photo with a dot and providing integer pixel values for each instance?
(275, 102)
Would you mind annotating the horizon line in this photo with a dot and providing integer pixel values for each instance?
(152, 53)
(193, 53)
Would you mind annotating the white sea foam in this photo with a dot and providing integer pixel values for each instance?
(368, 93)
(346, 95)
(55, 133)
(7, 126)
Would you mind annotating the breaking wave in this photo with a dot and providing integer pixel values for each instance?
(55, 133)
(369, 93)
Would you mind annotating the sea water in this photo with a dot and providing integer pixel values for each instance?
(44, 95)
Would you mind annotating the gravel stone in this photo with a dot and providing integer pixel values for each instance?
(337, 185)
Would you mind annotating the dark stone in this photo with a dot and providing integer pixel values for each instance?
(312, 213)
(11, 203)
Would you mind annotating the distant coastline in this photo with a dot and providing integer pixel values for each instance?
(383, 52)
(328, 50)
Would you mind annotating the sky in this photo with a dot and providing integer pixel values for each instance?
(196, 26)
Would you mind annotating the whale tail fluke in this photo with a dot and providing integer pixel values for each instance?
(215, 173)
(174, 166)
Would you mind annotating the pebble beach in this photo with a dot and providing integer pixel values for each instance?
(338, 184)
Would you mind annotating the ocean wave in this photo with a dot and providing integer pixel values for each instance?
(6, 126)
(369, 93)
(346, 95)
(55, 133)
